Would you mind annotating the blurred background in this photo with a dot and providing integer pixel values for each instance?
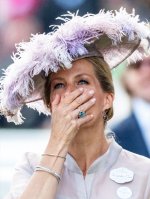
(18, 20)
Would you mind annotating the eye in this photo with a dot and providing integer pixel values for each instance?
(58, 85)
(82, 81)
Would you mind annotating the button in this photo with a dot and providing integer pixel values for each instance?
(124, 192)
(121, 175)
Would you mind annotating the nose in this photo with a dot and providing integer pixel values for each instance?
(70, 88)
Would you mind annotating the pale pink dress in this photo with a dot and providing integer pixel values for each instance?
(97, 184)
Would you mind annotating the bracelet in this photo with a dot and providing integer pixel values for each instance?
(46, 154)
(48, 170)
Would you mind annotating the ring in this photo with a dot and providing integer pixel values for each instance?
(81, 114)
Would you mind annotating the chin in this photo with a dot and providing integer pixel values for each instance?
(88, 124)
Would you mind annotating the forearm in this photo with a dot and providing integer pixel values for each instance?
(42, 184)
(65, 125)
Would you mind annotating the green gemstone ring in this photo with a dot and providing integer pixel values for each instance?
(81, 114)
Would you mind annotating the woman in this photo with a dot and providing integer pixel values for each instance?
(69, 71)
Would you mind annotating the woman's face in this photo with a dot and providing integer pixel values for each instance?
(81, 75)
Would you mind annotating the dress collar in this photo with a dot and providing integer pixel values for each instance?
(102, 162)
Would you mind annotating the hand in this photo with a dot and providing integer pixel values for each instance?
(65, 122)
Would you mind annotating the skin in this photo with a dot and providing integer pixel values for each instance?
(72, 90)
(138, 80)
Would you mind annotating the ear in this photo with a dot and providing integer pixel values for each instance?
(108, 101)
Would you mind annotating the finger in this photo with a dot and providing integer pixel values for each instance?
(81, 99)
(83, 107)
(84, 120)
(56, 101)
(70, 97)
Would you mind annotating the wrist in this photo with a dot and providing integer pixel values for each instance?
(57, 148)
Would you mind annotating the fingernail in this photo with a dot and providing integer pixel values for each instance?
(91, 92)
(93, 100)
(81, 89)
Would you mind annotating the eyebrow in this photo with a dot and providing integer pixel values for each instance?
(61, 78)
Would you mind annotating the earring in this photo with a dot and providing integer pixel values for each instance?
(105, 116)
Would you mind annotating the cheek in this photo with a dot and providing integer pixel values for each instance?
(100, 98)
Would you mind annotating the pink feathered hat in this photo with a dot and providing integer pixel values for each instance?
(113, 35)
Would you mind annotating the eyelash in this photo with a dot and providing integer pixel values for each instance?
(60, 85)
(85, 81)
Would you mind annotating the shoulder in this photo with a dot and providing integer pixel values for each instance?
(135, 159)
(137, 168)
(140, 166)
(22, 174)
(28, 162)
(25, 167)
(129, 159)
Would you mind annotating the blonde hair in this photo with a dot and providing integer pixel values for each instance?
(104, 76)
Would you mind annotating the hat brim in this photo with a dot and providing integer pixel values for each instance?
(114, 37)
(102, 48)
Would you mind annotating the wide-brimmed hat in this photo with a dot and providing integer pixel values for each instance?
(113, 35)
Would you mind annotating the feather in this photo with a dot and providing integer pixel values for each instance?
(46, 53)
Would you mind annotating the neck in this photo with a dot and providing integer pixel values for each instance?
(87, 146)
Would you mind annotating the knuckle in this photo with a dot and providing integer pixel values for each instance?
(79, 101)
(72, 115)
(74, 123)
(88, 104)
(83, 107)
(65, 113)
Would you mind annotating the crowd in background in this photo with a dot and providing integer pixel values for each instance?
(21, 18)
